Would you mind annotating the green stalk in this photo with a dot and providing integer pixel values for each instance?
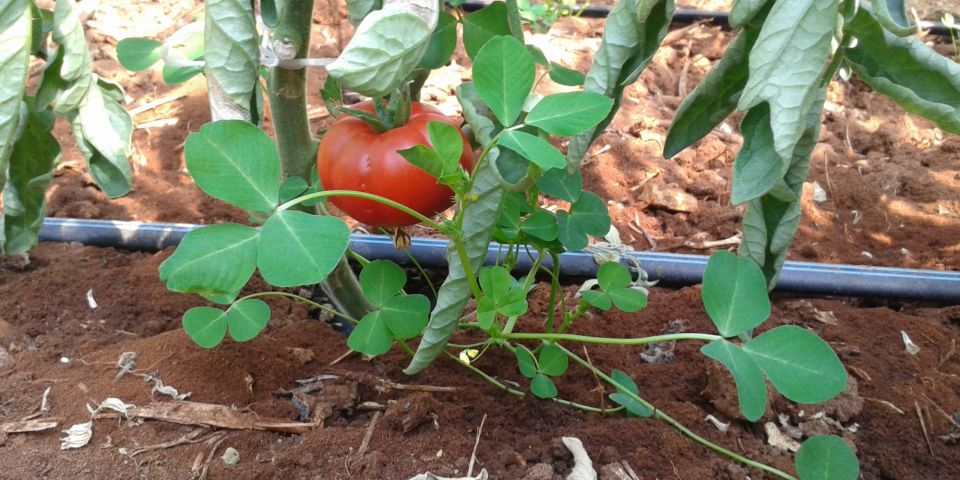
(569, 337)
(674, 423)
(297, 148)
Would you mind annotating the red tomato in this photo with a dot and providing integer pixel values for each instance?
(352, 156)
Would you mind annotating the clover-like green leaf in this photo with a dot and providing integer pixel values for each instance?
(588, 216)
(483, 25)
(247, 318)
(734, 293)
(799, 364)
(382, 280)
(827, 457)
(503, 74)
(206, 326)
(620, 397)
(138, 54)
(525, 361)
(190, 49)
(406, 315)
(615, 289)
(553, 361)
(443, 42)
(566, 76)
(541, 224)
(560, 183)
(569, 113)
(296, 248)
(499, 296)
(236, 162)
(372, 335)
(533, 148)
(215, 261)
(543, 387)
(292, 187)
(751, 387)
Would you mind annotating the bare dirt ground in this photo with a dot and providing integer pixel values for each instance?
(891, 181)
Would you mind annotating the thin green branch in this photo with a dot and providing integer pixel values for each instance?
(302, 300)
(558, 337)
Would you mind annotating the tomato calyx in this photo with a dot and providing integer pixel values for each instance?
(388, 114)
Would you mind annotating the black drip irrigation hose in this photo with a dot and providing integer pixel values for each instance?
(669, 268)
(686, 17)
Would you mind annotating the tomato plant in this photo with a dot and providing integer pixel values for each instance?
(354, 155)
(774, 72)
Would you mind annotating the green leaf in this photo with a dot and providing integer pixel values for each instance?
(543, 387)
(138, 54)
(236, 162)
(381, 280)
(373, 63)
(443, 42)
(612, 275)
(213, 260)
(553, 361)
(247, 318)
(751, 387)
(268, 11)
(734, 293)
(745, 10)
(15, 26)
(892, 14)
(103, 130)
(541, 224)
(448, 143)
(371, 336)
(231, 50)
(620, 397)
(533, 148)
(499, 296)
(357, 10)
(560, 183)
(715, 97)
(477, 115)
(628, 299)
(503, 74)
(480, 215)
(424, 158)
(571, 113)
(632, 32)
(525, 361)
(588, 216)
(31, 169)
(758, 167)
(292, 187)
(538, 57)
(827, 457)
(919, 79)
(769, 223)
(191, 49)
(566, 76)
(68, 32)
(206, 326)
(799, 364)
(481, 26)
(406, 315)
(598, 299)
(787, 63)
(297, 248)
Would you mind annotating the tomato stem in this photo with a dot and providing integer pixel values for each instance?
(367, 196)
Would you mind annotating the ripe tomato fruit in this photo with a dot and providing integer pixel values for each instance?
(353, 156)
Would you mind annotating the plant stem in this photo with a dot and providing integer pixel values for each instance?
(295, 143)
(367, 196)
(674, 423)
(302, 300)
(557, 337)
(482, 374)
(554, 289)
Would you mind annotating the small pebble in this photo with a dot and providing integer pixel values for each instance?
(230, 456)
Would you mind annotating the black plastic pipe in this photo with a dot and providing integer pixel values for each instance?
(685, 17)
(669, 268)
